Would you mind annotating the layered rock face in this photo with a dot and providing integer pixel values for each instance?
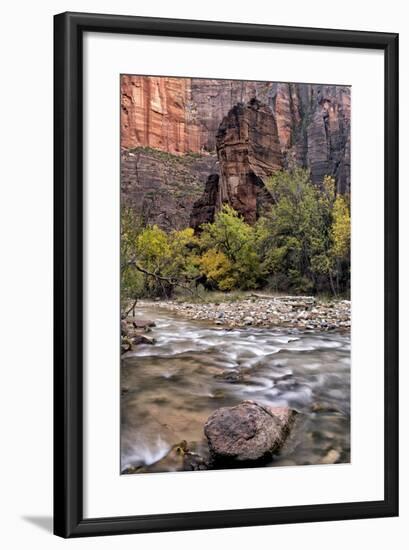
(179, 115)
(172, 129)
(328, 136)
(161, 188)
(182, 115)
(155, 113)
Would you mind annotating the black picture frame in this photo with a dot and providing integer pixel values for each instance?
(68, 274)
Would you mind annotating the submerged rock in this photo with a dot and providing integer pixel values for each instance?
(233, 376)
(180, 457)
(248, 432)
(318, 407)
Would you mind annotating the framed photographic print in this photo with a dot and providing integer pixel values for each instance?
(226, 275)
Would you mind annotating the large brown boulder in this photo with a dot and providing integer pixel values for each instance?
(248, 432)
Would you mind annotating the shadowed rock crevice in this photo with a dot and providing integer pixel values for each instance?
(204, 209)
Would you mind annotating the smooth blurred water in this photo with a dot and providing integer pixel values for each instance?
(169, 389)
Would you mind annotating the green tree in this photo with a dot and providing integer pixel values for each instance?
(300, 244)
(167, 260)
(341, 229)
(294, 239)
(184, 249)
(341, 242)
(132, 281)
(153, 262)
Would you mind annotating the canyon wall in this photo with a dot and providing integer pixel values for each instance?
(161, 188)
(155, 112)
(182, 115)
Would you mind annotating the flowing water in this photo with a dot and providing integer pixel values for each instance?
(170, 388)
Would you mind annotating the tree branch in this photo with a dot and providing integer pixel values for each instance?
(161, 278)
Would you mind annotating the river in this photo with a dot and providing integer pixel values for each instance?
(170, 388)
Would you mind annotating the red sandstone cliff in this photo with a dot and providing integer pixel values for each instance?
(180, 115)
(155, 113)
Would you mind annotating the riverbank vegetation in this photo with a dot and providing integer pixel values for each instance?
(300, 244)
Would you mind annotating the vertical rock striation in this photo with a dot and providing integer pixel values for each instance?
(328, 135)
(181, 115)
(155, 113)
(313, 123)
(172, 128)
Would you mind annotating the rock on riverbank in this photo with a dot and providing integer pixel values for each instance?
(301, 312)
(132, 333)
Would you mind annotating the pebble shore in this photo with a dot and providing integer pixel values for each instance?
(299, 312)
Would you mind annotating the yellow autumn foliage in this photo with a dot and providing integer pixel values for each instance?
(341, 228)
(216, 266)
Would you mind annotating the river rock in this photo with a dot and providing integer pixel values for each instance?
(270, 311)
(180, 457)
(248, 432)
(318, 407)
(124, 327)
(141, 339)
(125, 346)
(194, 462)
(142, 323)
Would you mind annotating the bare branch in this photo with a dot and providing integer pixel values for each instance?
(161, 278)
